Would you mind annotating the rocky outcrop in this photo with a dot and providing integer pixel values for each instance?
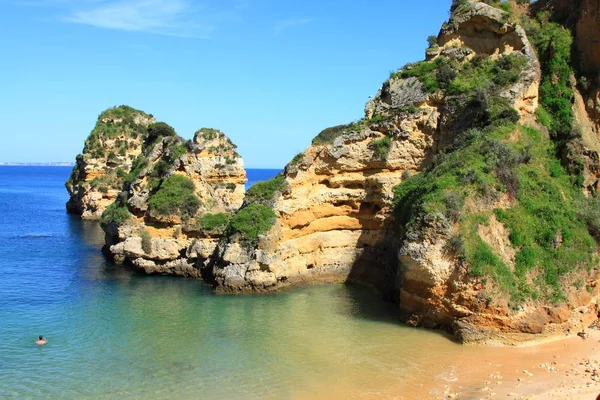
(334, 213)
(421, 200)
(171, 217)
(336, 218)
(107, 157)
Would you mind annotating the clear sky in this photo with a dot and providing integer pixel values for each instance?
(270, 74)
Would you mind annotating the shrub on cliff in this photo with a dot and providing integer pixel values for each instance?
(115, 122)
(138, 165)
(263, 192)
(208, 133)
(146, 241)
(214, 222)
(382, 146)
(159, 130)
(328, 135)
(250, 222)
(546, 230)
(553, 44)
(116, 213)
(175, 197)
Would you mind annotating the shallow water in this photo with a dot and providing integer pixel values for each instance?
(117, 334)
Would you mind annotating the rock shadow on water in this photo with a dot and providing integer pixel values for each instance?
(378, 268)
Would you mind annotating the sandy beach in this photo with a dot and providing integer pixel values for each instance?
(563, 369)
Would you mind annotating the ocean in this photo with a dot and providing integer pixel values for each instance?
(114, 333)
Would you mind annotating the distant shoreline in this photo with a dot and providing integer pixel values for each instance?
(48, 164)
(69, 164)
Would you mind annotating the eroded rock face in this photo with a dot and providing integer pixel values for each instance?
(109, 151)
(334, 212)
(177, 242)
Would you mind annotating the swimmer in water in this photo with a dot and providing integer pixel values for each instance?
(41, 340)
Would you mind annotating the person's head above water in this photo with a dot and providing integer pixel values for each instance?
(41, 337)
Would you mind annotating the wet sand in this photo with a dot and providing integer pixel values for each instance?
(566, 368)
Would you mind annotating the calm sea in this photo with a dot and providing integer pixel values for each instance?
(116, 334)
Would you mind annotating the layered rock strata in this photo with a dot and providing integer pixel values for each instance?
(334, 219)
(351, 208)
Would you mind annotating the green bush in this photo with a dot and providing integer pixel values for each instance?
(548, 225)
(553, 44)
(159, 130)
(138, 165)
(425, 71)
(116, 213)
(432, 41)
(297, 159)
(146, 241)
(175, 197)
(212, 222)
(252, 221)
(382, 146)
(589, 211)
(328, 135)
(115, 122)
(208, 133)
(265, 191)
(484, 72)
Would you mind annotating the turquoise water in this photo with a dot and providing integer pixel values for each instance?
(116, 334)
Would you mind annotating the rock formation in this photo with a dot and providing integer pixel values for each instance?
(170, 216)
(465, 195)
(373, 201)
(333, 212)
(109, 152)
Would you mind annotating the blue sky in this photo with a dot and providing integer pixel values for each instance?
(270, 74)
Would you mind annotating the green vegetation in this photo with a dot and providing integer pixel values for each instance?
(114, 123)
(545, 226)
(553, 44)
(552, 226)
(146, 241)
(425, 71)
(462, 79)
(175, 197)
(297, 159)
(106, 182)
(157, 131)
(262, 192)
(208, 133)
(432, 41)
(116, 213)
(484, 72)
(227, 185)
(382, 146)
(328, 135)
(138, 165)
(589, 211)
(256, 217)
(212, 222)
(250, 222)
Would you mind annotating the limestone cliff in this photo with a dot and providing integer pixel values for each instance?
(466, 195)
(173, 211)
(446, 197)
(109, 152)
